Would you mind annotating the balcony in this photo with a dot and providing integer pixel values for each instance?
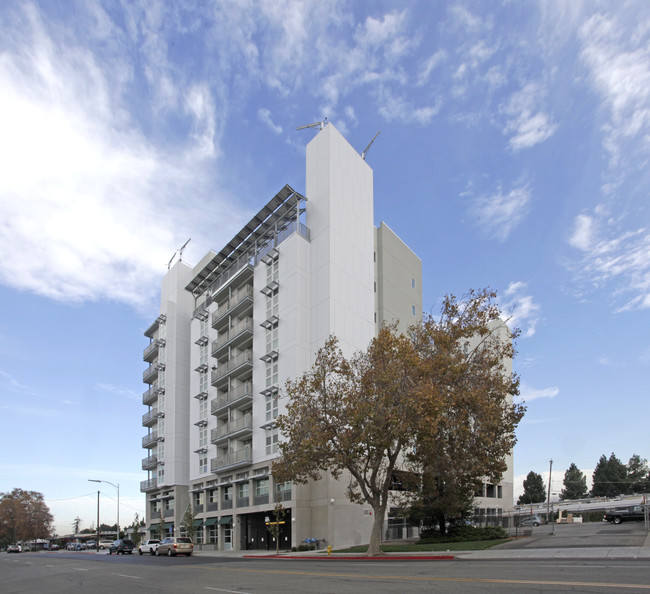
(149, 485)
(233, 337)
(262, 499)
(151, 372)
(243, 501)
(149, 440)
(150, 418)
(237, 428)
(151, 351)
(149, 463)
(235, 305)
(233, 367)
(232, 460)
(283, 495)
(237, 397)
(149, 396)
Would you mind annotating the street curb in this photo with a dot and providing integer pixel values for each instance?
(356, 557)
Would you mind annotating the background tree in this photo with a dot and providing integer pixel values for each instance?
(24, 516)
(76, 525)
(609, 478)
(637, 475)
(275, 525)
(187, 521)
(534, 489)
(575, 484)
(466, 385)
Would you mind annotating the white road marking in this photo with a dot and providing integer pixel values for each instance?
(221, 590)
(133, 577)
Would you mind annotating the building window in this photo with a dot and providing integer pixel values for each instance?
(499, 492)
(198, 498)
(413, 309)
(213, 534)
(203, 463)
(203, 408)
(272, 338)
(203, 382)
(272, 271)
(262, 487)
(272, 304)
(271, 407)
(272, 372)
(227, 493)
(412, 283)
(272, 444)
(203, 436)
(242, 490)
(198, 535)
(212, 496)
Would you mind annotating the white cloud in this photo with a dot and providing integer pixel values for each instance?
(528, 394)
(521, 309)
(118, 391)
(528, 125)
(264, 116)
(582, 236)
(498, 214)
(88, 205)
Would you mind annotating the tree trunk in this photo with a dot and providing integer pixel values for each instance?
(442, 525)
(374, 547)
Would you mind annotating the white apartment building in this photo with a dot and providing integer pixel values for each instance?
(234, 327)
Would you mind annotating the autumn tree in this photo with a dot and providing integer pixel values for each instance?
(609, 478)
(638, 476)
(355, 416)
(534, 489)
(575, 484)
(24, 516)
(434, 405)
(467, 387)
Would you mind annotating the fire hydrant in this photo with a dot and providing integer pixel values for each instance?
(329, 550)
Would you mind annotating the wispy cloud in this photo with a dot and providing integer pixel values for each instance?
(264, 116)
(13, 385)
(499, 213)
(521, 308)
(528, 394)
(88, 203)
(527, 124)
(118, 391)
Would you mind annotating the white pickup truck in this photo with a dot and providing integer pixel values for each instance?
(150, 546)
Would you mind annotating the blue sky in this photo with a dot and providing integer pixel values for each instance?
(513, 154)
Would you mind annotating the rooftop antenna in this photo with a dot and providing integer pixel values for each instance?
(180, 254)
(365, 151)
(180, 251)
(319, 125)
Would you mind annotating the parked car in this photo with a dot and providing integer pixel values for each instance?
(150, 546)
(175, 545)
(121, 546)
(531, 520)
(14, 548)
(91, 544)
(624, 514)
(105, 544)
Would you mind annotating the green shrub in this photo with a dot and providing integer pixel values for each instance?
(463, 534)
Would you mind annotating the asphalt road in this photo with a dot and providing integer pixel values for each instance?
(61, 572)
(92, 573)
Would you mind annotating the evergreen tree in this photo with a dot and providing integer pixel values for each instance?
(637, 475)
(575, 484)
(534, 489)
(609, 478)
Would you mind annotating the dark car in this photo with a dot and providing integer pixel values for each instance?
(625, 514)
(121, 546)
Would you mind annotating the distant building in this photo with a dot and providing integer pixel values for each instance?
(234, 327)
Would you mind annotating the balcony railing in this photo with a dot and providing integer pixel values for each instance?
(149, 463)
(151, 417)
(237, 457)
(149, 485)
(261, 499)
(245, 358)
(150, 439)
(212, 506)
(243, 501)
(230, 304)
(151, 350)
(151, 372)
(240, 425)
(149, 396)
(282, 496)
(244, 391)
(226, 504)
(239, 330)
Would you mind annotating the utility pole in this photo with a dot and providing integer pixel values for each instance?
(97, 543)
(548, 499)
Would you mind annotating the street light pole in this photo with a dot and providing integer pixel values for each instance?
(118, 501)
